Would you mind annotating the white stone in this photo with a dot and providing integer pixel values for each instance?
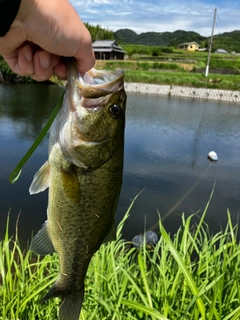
(213, 156)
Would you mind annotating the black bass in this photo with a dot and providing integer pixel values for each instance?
(84, 177)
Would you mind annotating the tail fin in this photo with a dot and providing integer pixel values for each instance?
(71, 307)
(71, 302)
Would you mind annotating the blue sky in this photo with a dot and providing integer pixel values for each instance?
(161, 15)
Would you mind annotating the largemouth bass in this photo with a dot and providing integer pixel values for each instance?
(84, 176)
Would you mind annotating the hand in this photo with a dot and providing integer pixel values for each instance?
(42, 33)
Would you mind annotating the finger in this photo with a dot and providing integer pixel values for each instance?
(85, 65)
(85, 56)
(21, 61)
(44, 63)
(60, 71)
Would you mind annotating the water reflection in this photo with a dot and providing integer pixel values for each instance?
(167, 142)
(166, 152)
(22, 112)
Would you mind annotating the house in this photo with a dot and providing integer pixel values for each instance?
(221, 51)
(107, 50)
(189, 46)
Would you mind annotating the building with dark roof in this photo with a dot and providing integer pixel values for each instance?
(107, 50)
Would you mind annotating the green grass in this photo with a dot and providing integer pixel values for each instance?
(191, 275)
(141, 65)
(182, 73)
(172, 68)
(196, 80)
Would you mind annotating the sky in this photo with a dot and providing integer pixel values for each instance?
(161, 15)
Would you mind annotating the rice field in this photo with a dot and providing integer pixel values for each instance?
(190, 275)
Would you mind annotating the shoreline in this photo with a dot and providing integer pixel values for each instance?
(167, 90)
(186, 92)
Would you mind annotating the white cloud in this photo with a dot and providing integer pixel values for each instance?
(160, 15)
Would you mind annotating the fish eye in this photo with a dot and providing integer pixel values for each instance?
(115, 110)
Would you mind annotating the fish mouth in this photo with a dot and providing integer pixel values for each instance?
(94, 83)
(100, 77)
(87, 107)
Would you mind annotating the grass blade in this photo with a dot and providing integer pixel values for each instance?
(17, 171)
(184, 270)
(146, 310)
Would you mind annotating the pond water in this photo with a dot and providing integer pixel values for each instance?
(167, 141)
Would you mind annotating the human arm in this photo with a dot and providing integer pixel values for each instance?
(42, 33)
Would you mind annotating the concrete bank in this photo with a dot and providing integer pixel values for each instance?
(177, 91)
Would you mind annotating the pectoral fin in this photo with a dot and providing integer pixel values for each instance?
(41, 244)
(40, 180)
(111, 235)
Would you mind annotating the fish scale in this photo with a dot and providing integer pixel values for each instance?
(84, 177)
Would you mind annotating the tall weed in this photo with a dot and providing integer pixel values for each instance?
(192, 275)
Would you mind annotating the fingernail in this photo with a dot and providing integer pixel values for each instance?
(28, 53)
(45, 59)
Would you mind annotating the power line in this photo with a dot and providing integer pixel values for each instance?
(219, 24)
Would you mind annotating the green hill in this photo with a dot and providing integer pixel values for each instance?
(126, 36)
(181, 36)
(157, 38)
(230, 41)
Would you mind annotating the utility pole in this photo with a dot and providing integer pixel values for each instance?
(211, 41)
